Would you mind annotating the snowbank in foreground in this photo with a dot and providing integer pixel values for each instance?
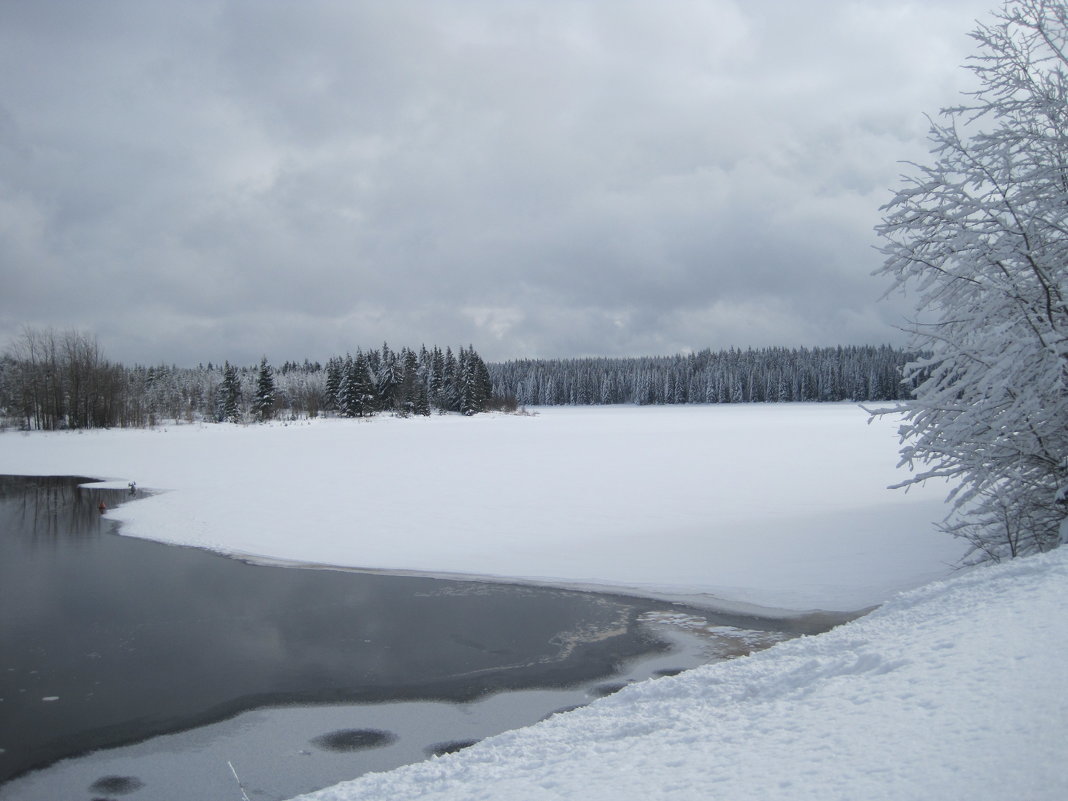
(783, 506)
(951, 691)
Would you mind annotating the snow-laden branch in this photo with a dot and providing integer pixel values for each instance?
(982, 235)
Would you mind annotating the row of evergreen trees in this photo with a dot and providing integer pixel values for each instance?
(857, 373)
(51, 380)
(404, 382)
(407, 382)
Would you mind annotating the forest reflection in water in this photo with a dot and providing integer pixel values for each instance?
(109, 640)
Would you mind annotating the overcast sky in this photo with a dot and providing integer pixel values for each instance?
(201, 181)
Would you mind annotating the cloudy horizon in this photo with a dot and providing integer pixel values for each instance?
(225, 179)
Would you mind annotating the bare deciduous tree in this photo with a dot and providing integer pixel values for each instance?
(62, 380)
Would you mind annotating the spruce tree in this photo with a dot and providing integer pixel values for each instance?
(435, 377)
(348, 396)
(333, 382)
(366, 398)
(263, 407)
(421, 400)
(231, 395)
(474, 382)
(450, 383)
(390, 378)
(405, 398)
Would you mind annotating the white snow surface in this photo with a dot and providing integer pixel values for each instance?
(782, 506)
(951, 691)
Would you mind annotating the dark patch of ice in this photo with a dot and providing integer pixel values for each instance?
(669, 671)
(441, 749)
(120, 785)
(607, 689)
(354, 739)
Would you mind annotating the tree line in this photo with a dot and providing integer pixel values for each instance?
(857, 373)
(53, 380)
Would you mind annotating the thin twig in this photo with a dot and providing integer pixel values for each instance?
(240, 786)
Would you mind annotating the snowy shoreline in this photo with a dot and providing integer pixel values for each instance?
(947, 691)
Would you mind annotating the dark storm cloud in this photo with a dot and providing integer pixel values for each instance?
(218, 180)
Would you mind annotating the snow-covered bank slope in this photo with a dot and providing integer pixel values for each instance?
(780, 505)
(952, 691)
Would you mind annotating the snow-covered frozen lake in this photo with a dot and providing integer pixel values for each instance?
(779, 505)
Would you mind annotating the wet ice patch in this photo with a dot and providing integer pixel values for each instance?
(116, 785)
(354, 739)
(608, 688)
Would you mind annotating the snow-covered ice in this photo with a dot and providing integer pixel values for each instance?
(783, 506)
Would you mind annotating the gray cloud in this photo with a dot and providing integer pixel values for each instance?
(219, 180)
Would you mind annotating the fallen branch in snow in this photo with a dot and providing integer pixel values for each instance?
(240, 786)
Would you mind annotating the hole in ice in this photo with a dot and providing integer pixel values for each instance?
(354, 739)
(119, 785)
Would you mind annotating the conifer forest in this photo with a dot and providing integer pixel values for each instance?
(51, 380)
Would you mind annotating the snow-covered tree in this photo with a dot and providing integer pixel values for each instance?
(230, 397)
(390, 375)
(409, 383)
(980, 236)
(421, 399)
(333, 382)
(263, 406)
(348, 394)
(436, 370)
(366, 400)
(449, 398)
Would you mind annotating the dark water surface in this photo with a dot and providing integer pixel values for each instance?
(108, 640)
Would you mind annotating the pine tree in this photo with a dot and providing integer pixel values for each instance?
(346, 396)
(474, 382)
(409, 379)
(264, 405)
(231, 395)
(421, 400)
(435, 377)
(483, 384)
(367, 400)
(390, 377)
(333, 383)
(450, 383)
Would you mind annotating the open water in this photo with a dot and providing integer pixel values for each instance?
(151, 650)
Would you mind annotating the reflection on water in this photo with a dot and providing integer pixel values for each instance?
(43, 511)
(108, 639)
